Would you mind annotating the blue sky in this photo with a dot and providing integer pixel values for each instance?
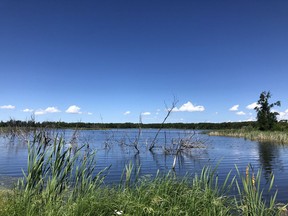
(112, 61)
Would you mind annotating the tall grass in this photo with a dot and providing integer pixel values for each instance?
(61, 181)
(56, 173)
(280, 137)
(251, 201)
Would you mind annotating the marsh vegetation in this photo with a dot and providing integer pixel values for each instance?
(60, 181)
(277, 137)
(63, 176)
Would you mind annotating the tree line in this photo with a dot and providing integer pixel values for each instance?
(127, 125)
(266, 120)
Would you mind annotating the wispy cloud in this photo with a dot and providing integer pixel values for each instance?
(241, 113)
(234, 108)
(146, 113)
(89, 113)
(158, 111)
(7, 107)
(47, 110)
(73, 110)
(189, 107)
(27, 110)
(127, 113)
(252, 106)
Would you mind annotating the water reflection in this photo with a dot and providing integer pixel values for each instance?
(115, 148)
(268, 155)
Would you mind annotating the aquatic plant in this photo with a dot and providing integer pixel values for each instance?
(51, 173)
(60, 180)
(251, 200)
(279, 137)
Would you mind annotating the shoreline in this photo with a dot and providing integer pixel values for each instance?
(277, 137)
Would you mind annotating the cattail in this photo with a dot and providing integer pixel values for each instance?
(253, 181)
(247, 173)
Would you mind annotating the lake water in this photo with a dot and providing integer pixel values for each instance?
(114, 148)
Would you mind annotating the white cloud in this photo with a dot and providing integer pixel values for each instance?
(73, 110)
(40, 112)
(234, 108)
(250, 119)
(275, 110)
(47, 110)
(252, 106)
(89, 113)
(127, 113)
(7, 107)
(189, 107)
(283, 115)
(241, 113)
(146, 113)
(52, 110)
(27, 110)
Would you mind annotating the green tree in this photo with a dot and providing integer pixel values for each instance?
(265, 117)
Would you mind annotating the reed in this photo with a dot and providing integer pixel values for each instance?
(279, 137)
(52, 170)
(62, 181)
(251, 201)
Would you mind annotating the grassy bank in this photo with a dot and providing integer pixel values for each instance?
(164, 195)
(61, 181)
(280, 137)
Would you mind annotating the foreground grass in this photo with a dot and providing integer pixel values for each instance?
(279, 137)
(60, 181)
(161, 196)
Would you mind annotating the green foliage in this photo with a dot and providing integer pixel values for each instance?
(277, 137)
(30, 125)
(251, 202)
(60, 181)
(265, 117)
(52, 171)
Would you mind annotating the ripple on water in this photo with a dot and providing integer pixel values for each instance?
(224, 152)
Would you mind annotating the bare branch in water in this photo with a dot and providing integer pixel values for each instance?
(169, 110)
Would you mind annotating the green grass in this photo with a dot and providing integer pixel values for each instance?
(60, 182)
(279, 137)
(161, 196)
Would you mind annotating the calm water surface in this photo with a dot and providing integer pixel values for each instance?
(226, 152)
